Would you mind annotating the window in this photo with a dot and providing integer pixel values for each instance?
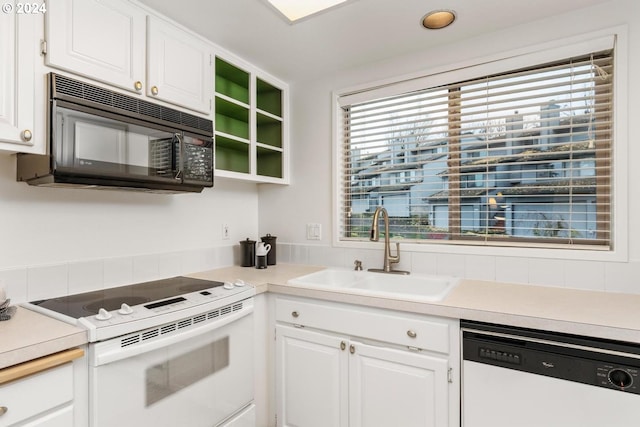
(521, 157)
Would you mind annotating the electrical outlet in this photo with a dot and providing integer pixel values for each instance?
(225, 232)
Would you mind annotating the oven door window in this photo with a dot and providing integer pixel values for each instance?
(96, 145)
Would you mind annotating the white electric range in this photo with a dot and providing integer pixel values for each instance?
(176, 351)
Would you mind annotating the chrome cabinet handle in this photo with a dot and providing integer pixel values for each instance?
(352, 349)
(295, 314)
(138, 85)
(154, 90)
(411, 334)
(27, 135)
(3, 410)
(343, 345)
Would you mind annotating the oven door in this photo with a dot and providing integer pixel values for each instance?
(196, 378)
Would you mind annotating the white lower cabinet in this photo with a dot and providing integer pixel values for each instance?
(342, 365)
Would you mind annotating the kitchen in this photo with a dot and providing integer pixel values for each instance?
(66, 241)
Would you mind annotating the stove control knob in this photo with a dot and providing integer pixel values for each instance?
(125, 309)
(103, 314)
(239, 283)
(228, 285)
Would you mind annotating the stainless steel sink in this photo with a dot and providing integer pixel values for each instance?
(411, 288)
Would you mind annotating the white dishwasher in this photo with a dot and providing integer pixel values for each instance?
(515, 377)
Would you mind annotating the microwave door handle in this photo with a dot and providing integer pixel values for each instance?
(178, 176)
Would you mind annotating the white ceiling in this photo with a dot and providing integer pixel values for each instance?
(356, 33)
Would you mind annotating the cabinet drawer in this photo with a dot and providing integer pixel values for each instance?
(424, 332)
(36, 394)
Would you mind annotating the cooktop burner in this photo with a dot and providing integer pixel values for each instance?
(89, 303)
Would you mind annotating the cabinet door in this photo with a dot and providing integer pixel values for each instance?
(18, 51)
(102, 40)
(389, 387)
(311, 372)
(179, 67)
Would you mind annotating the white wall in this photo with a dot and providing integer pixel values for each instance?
(285, 211)
(57, 241)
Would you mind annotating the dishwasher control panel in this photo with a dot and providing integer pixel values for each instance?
(587, 365)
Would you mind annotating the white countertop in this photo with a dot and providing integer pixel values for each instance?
(29, 335)
(597, 314)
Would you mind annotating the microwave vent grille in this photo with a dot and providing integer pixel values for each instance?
(65, 87)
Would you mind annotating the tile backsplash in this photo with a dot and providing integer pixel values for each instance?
(48, 281)
(621, 277)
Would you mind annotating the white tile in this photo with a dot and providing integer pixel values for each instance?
(225, 256)
(169, 265)
(623, 277)
(145, 268)
(327, 255)
(512, 270)
(424, 263)
(86, 276)
(193, 261)
(300, 254)
(118, 271)
(450, 265)
(47, 281)
(546, 272)
(480, 267)
(14, 282)
(586, 275)
(284, 253)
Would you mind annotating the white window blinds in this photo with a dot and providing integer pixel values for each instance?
(521, 158)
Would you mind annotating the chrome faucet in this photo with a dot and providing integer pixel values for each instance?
(375, 236)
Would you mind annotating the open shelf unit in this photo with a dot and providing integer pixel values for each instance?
(250, 127)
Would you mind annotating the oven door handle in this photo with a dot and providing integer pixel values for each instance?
(109, 351)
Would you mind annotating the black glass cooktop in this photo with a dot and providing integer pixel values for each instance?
(88, 304)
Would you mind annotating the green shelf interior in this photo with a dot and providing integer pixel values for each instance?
(269, 162)
(232, 155)
(269, 130)
(268, 98)
(232, 118)
(232, 81)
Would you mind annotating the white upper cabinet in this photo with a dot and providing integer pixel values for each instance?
(120, 43)
(179, 68)
(102, 40)
(19, 45)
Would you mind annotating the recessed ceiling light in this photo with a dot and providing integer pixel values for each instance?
(437, 19)
(296, 9)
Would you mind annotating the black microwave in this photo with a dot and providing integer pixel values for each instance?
(99, 138)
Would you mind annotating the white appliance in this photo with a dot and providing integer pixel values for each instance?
(525, 378)
(173, 352)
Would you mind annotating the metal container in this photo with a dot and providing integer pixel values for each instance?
(248, 253)
(271, 240)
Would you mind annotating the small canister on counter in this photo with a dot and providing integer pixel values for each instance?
(248, 253)
(271, 240)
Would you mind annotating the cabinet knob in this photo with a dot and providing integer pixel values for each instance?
(154, 90)
(3, 410)
(27, 135)
(411, 334)
(295, 314)
(343, 345)
(352, 349)
(138, 85)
